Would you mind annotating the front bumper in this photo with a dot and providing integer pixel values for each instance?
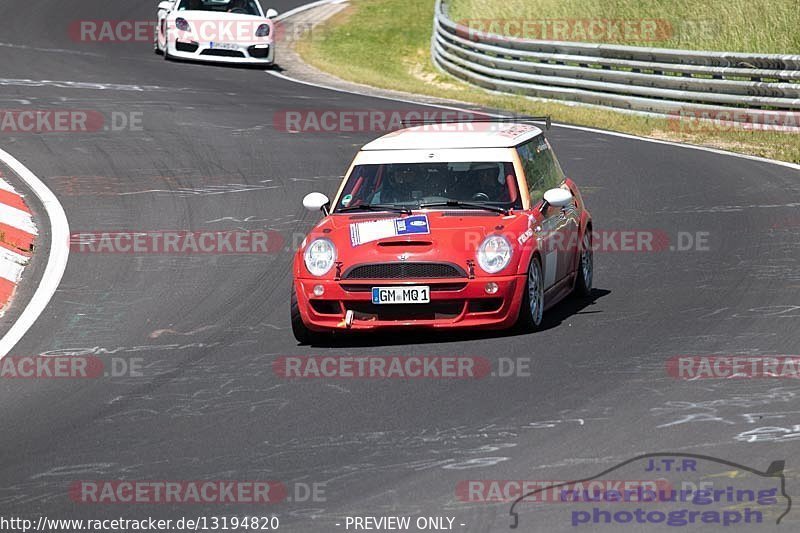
(455, 303)
(254, 53)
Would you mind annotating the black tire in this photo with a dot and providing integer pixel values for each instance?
(530, 320)
(583, 283)
(166, 47)
(299, 329)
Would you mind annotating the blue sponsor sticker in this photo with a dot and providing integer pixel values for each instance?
(416, 224)
(374, 230)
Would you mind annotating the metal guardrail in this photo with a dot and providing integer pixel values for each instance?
(654, 80)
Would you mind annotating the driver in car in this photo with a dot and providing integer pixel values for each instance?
(238, 6)
(402, 185)
(486, 183)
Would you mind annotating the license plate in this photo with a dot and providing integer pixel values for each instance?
(224, 46)
(417, 294)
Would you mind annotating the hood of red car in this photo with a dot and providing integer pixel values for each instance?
(451, 237)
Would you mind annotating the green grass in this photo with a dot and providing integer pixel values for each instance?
(765, 26)
(386, 43)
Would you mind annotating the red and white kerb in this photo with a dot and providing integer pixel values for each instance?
(17, 233)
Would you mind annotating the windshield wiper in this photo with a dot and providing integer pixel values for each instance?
(376, 207)
(468, 205)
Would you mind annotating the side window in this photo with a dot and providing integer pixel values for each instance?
(542, 170)
(362, 186)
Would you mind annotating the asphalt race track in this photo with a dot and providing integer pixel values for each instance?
(208, 327)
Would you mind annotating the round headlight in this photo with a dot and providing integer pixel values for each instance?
(263, 30)
(182, 24)
(320, 256)
(494, 253)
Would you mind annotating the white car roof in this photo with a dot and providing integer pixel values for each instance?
(434, 155)
(458, 135)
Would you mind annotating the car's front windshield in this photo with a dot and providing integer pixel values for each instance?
(245, 7)
(409, 185)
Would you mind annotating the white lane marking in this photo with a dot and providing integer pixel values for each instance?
(82, 85)
(54, 50)
(568, 126)
(17, 218)
(21, 101)
(306, 7)
(56, 262)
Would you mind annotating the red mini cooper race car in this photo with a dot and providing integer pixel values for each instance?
(473, 226)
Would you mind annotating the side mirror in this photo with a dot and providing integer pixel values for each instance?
(165, 6)
(558, 197)
(271, 13)
(316, 201)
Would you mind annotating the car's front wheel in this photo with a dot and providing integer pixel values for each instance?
(299, 329)
(532, 309)
(166, 46)
(156, 48)
(583, 284)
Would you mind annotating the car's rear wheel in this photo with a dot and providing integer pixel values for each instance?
(583, 284)
(299, 329)
(531, 311)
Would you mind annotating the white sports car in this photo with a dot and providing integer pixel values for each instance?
(224, 31)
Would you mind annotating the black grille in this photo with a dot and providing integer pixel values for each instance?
(185, 47)
(260, 53)
(435, 287)
(326, 307)
(436, 310)
(221, 52)
(404, 271)
(485, 305)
